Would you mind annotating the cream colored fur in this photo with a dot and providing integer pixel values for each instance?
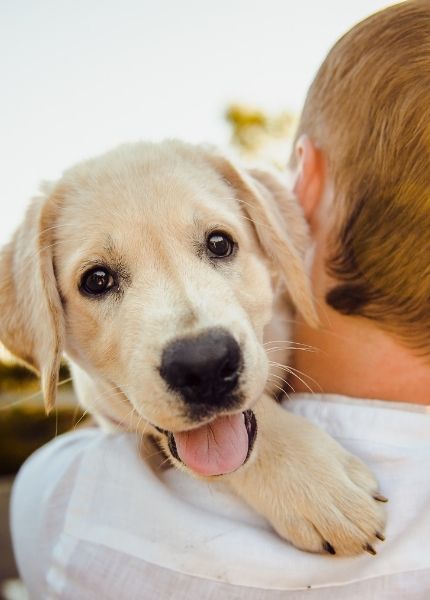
(145, 209)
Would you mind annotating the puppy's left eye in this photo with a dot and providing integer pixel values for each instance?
(97, 281)
(219, 245)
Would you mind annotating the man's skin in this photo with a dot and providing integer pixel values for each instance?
(353, 357)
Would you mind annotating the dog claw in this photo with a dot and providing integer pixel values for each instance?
(380, 536)
(329, 548)
(379, 497)
(368, 548)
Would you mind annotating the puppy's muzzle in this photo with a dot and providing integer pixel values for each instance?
(204, 369)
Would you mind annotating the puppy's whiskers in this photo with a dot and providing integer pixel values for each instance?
(100, 403)
(283, 380)
(296, 373)
(277, 348)
(84, 414)
(278, 387)
(34, 396)
(291, 344)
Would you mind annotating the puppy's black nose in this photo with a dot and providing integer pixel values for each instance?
(203, 369)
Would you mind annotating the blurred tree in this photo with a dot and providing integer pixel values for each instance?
(257, 135)
(24, 425)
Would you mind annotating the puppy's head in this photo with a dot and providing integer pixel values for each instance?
(153, 268)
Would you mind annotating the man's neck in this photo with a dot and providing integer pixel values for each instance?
(352, 357)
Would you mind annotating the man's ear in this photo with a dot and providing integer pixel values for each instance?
(279, 224)
(31, 315)
(309, 178)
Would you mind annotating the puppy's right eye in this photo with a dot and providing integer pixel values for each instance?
(219, 245)
(97, 281)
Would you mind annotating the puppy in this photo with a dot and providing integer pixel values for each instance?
(155, 268)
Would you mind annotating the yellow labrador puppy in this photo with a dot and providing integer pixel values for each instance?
(155, 269)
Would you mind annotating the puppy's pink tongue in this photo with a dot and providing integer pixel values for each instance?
(213, 449)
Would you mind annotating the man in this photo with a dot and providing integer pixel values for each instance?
(93, 519)
(362, 175)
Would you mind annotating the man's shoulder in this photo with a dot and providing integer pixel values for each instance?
(108, 494)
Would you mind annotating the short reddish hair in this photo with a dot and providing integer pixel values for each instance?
(368, 109)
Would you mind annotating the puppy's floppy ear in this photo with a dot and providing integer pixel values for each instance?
(31, 316)
(279, 224)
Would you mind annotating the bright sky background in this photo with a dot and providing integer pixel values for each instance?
(80, 76)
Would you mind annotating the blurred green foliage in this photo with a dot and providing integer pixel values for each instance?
(23, 429)
(15, 377)
(258, 135)
(24, 425)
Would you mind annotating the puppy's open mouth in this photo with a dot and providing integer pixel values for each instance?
(219, 447)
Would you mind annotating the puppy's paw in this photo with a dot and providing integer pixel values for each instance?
(334, 506)
(314, 493)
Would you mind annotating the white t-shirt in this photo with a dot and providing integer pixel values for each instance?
(93, 519)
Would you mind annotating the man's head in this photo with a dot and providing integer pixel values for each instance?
(363, 163)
